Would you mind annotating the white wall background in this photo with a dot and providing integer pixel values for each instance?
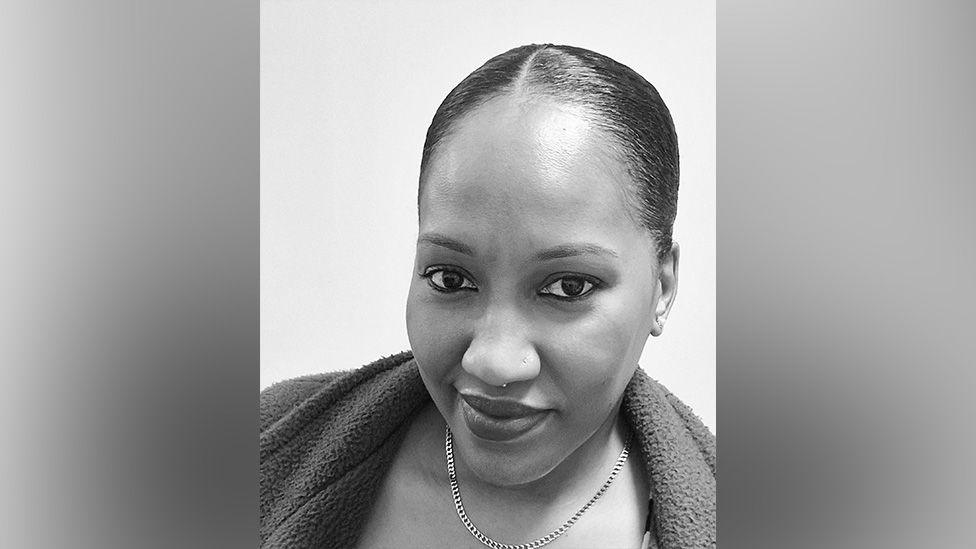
(348, 89)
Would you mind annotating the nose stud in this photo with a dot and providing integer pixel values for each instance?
(525, 361)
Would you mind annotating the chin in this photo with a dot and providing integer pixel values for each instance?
(503, 465)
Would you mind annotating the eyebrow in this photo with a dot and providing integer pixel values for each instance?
(556, 252)
(446, 242)
(573, 250)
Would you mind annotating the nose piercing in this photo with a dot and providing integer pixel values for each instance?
(525, 362)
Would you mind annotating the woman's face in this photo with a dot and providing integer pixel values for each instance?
(534, 288)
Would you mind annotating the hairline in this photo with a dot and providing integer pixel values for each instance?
(618, 151)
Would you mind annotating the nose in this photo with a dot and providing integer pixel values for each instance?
(501, 351)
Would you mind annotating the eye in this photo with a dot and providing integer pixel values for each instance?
(448, 280)
(569, 287)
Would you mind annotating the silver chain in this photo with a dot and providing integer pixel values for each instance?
(544, 540)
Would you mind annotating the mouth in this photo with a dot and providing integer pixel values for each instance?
(499, 420)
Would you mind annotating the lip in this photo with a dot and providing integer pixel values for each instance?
(497, 419)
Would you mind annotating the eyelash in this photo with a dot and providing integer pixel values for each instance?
(469, 284)
(430, 272)
(586, 292)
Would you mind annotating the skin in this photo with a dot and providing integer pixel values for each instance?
(523, 204)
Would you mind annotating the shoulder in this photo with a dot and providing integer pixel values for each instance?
(325, 441)
(678, 452)
(286, 398)
(281, 397)
(652, 405)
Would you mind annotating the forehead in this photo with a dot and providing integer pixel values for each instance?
(529, 165)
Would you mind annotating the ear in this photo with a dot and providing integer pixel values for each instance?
(667, 288)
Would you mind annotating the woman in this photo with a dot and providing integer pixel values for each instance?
(548, 190)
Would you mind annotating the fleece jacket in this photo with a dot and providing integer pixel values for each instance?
(327, 441)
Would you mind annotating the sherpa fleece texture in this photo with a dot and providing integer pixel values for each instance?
(328, 440)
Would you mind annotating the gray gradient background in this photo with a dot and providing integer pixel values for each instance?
(129, 331)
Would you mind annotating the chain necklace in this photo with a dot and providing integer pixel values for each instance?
(544, 540)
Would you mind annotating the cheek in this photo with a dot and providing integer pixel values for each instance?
(597, 356)
(435, 339)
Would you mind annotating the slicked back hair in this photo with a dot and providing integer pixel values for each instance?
(612, 96)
